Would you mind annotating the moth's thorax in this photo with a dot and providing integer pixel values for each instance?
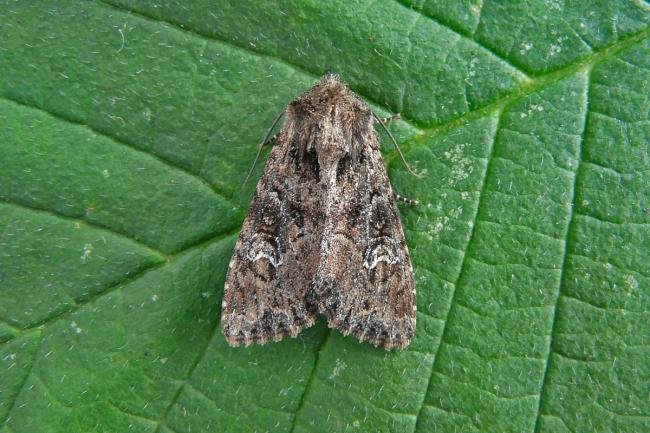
(330, 121)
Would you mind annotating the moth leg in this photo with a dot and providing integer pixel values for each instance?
(388, 119)
(267, 139)
(399, 151)
(271, 140)
(408, 201)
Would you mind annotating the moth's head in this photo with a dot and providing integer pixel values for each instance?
(330, 97)
(330, 120)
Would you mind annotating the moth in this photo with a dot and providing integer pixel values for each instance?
(323, 233)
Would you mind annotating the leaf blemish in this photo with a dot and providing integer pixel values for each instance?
(88, 250)
(338, 367)
(75, 327)
(525, 47)
(461, 165)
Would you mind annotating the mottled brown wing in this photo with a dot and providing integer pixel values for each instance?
(364, 284)
(276, 255)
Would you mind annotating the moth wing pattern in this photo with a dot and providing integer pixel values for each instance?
(372, 294)
(323, 234)
(274, 258)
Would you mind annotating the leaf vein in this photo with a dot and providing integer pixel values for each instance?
(368, 400)
(485, 391)
(122, 411)
(95, 225)
(128, 280)
(615, 266)
(451, 412)
(601, 220)
(22, 386)
(616, 173)
(464, 35)
(188, 376)
(310, 380)
(567, 240)
(524, 227)
(261, 54)
(599, 307)
(528, 88)
(173, 166)
(475, 353)
(463, 264)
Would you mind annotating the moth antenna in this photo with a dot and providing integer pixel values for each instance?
(261, 145)
(390, 118)
(399, 151)
(408, 201)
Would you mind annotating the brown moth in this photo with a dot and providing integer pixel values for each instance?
(323, 234)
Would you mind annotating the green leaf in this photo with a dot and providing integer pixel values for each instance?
(126, 129)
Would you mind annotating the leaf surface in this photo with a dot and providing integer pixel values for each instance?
(126, 129)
